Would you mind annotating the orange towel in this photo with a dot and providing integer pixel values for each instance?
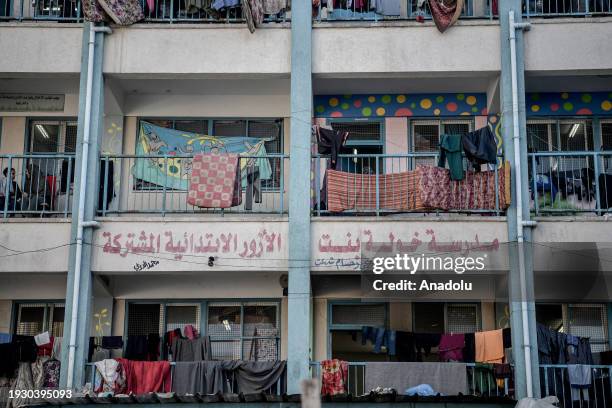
(489, 346)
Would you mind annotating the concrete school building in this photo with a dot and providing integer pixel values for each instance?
(130, 256)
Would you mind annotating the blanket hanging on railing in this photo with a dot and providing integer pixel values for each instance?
(445, 13)
(215, 181)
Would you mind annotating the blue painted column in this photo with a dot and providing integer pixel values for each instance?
(299, 314)
(514, 279)
(91, 199)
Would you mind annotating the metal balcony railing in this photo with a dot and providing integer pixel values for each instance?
(554, 380)
(479, 382)
(147, 184)
(565, 183)
(36, 185)
(551, 8)
(373, 188)
(161, 11)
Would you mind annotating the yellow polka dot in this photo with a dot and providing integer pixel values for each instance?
(564, 95)
(465, 113)
(535, 108)
(426, 103)
(334, 102)
(436, 112)
(380, 111)
(401, 98)
(470, 100)
(606, 105)
(371, 99)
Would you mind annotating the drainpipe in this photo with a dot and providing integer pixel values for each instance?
(520, 224)
(81, 223)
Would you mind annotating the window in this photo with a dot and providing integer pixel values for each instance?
(262, 128)
(582, 320)
(244, 331)
(36, 318)
(426, 136)
(446, 317)
(151, 318)
(365, 138)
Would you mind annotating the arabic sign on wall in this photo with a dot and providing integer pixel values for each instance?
(189, 246)
(31, 102)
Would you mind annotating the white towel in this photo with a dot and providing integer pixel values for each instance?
(42, 339)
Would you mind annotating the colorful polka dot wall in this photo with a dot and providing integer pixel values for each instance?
(400, 105)
(569, 104)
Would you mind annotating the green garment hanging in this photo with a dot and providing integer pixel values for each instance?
(451, 149)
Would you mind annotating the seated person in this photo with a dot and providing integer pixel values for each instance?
(14, 192)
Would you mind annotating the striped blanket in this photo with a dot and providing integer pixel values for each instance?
(427, 187)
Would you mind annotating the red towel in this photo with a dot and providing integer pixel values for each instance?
(146, 376)
(451, 347)
(334, 376)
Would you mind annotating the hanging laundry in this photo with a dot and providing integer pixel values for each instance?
(274, 6)
(51, 371)
(93, 13)
(219, 5)
(191, 350)
(123, 12)
(445, 13)
(451, 151)
(480, 147)
(388, 7)
(191, 332)
(215, 181)
(489, 346)
(112, 342)
(57, 348)
(469, 351)
(580, 379)
(334, 377)
(146, 376)
(451, 347)
(252, 10)
(24, 382)
(404, 346)
(110, 377)
(424, 342)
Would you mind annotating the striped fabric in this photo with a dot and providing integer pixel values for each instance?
(427, 187)
(350, 191)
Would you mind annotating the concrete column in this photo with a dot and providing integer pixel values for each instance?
(299, 319)
(514, 281)
(91, 199)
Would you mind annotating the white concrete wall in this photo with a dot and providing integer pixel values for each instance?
(40, 48)
(20, 286)
(346, 48)
(570, 45)
(197, 49)
(44, 241)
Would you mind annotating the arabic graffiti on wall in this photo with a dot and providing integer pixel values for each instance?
(188, 243)
(346, 254)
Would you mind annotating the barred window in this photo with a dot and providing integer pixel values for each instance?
(36, 318)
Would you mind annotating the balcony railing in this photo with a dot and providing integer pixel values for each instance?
(548, 8)
(41, 185)
(162, 11)
(554, 380)
(566, 183)
(479, 382)
(380, 184)
(145, 184)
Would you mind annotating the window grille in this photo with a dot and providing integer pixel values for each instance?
(360, 315)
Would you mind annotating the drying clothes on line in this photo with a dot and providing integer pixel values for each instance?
(332, 143)
(215, 181)
(489, 346)
(452, 151)
(123, 12)
(446, 378)
(46, 349)
(190, 332)
(210, 377)
(404, 346)
(24, 381)
(94, 13)
(142, 348)
(502, 372)
(219, 5)
(334, 377)
(191, 350)
(42, 339)
(51, 373)
(424, 342)
(484, 380)
(380, 337)
(169, 338)
(112, 342)
(480, 147)
(110, 377)
(57, 348)
(146, 376)
(274, 6)
(580, 379)
(252, 10)
(507, 335)
(107, 182)
(475, 192)
(451, 347)
(445, 13)
(469, 351)
(348, 191)
(560, 348)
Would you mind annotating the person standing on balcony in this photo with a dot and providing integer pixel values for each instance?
(14, 192)
(36, 189)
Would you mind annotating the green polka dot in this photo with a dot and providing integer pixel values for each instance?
(460, 97)
(568, 106)
(320, 109)
(413, 105)
(344, 105)
(474, 109)
(535, 96)
(586, 98)
(439, 99)
(366, 111)
(347, 96)
(386, 99)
